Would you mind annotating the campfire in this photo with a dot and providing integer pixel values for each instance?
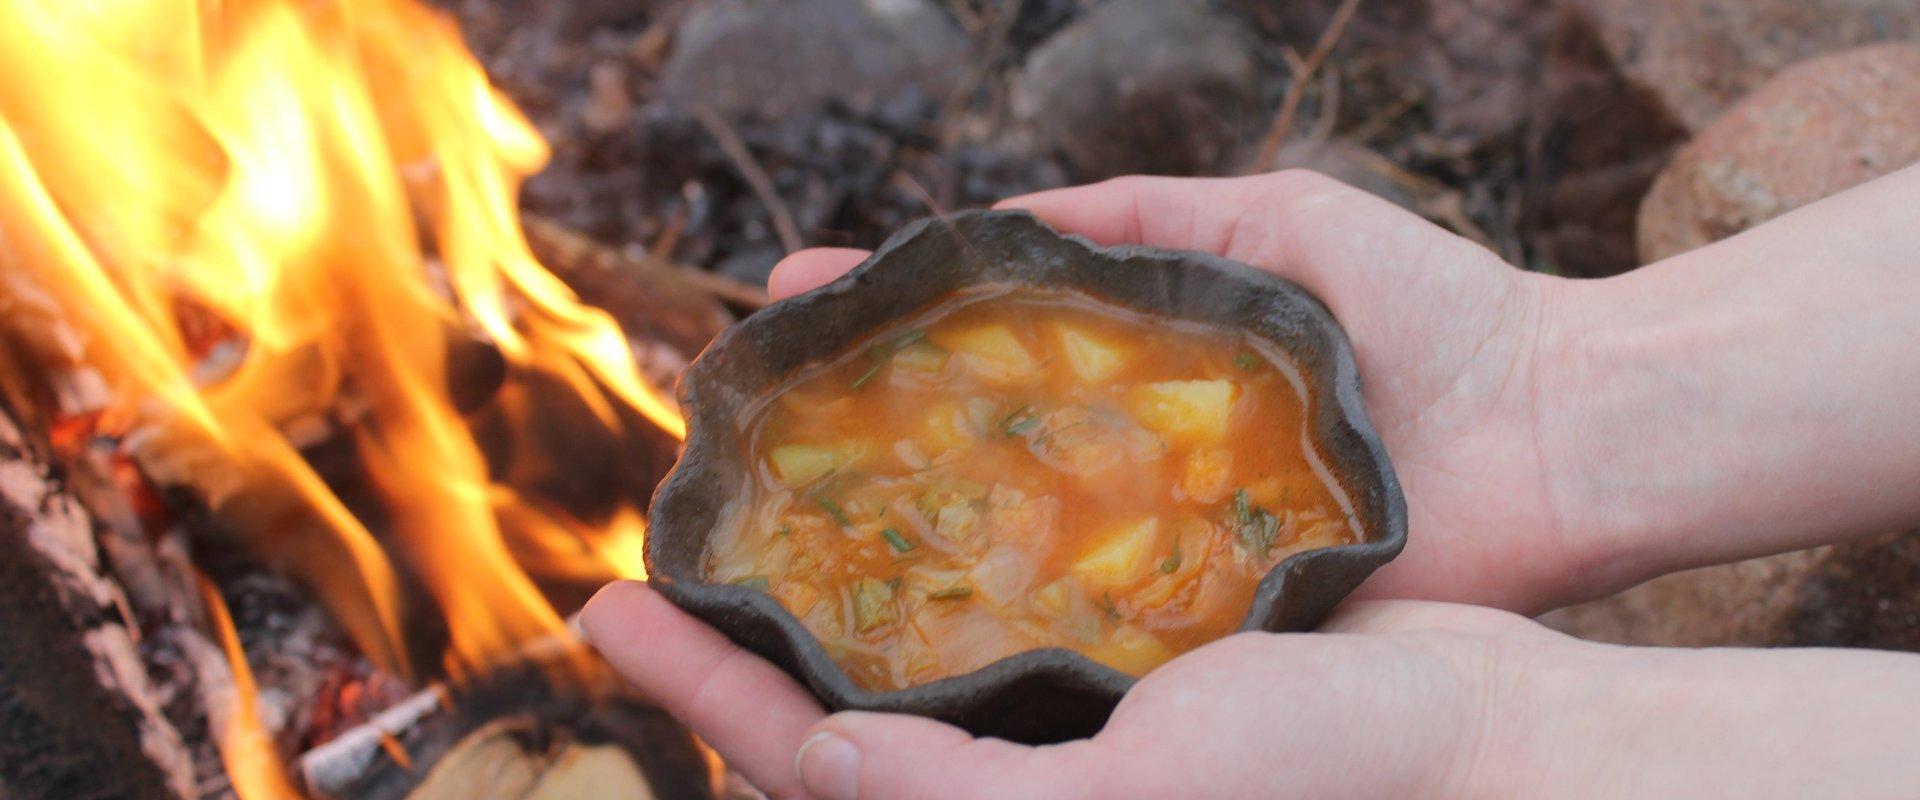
(293, 406)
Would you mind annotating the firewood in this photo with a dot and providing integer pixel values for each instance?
(79, 716)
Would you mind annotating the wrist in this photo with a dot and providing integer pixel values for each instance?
(1597, 412)
(1604, 721)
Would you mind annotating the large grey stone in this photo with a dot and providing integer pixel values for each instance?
(772, 58)
(1145, 86)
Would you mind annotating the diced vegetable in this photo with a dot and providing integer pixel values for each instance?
(1194, 410)
(1247, 361)
(1054, 599)
(993, 353)
(966, 636)
(1132, 651)
(896, 541)
(1090, 357)
(797, 596)
(754, 582)
(1003, 574)
(1122, 557)
(872, 604)
(920, 357)
(949, 429)
(1208, 475)
(951, 593)
(797, 464)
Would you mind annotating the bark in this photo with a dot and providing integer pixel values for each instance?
(79, 717)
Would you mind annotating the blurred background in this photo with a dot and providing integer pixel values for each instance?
(317, 423)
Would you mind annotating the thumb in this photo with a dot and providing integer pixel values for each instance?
(865, 756)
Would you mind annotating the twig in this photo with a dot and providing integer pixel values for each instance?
(1302, 74)
(755, 176)
(739, 293)
(906, 182)
(1329, 104)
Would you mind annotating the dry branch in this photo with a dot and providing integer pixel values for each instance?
(1302, 75)
(755, 176)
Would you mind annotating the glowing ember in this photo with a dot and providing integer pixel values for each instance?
(232, 203)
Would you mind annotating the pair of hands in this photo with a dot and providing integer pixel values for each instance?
(1474, 378)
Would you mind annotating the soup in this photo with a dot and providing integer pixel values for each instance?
(1018, 469)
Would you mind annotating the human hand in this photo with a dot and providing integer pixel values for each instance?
(1391, 699)
(1451, 343)
(1253, 715)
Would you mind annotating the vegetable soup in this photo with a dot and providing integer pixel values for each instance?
(1017, 469)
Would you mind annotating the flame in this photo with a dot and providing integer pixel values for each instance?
(271, 222)
(245, 745)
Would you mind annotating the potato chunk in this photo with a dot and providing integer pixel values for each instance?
(1194, 410)
(1091, 358)
(1209, 474)
(1122, 558)
(1132, 651)
(796, 464)
(992, 352)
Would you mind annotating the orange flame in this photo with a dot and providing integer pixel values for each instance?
(231, 203)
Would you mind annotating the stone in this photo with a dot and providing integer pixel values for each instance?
(1821, 127)
(1145, 86)
(1626, 82)
(1700, 56)
(769, 59)
(1858, 594)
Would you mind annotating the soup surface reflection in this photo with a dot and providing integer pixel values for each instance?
(1019, 469)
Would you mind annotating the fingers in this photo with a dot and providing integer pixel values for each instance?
(1339, 242)
(1405, 616)
(809, 269)
(743, 706)
(858, 756)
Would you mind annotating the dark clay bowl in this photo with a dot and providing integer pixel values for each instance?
(1044, 695)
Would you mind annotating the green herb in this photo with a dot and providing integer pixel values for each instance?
(951, 593)
(1106, 604)
(786, 530)
(896, 541)
(1172, 562)
(833, 509)
(868, 375)
(1255, 527)
(1019, 421)
(881, 354)
(756, 582)
(1246, 361)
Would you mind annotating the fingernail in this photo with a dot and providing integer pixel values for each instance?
(829, 767)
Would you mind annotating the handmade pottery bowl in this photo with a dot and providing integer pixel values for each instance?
(1041, 695)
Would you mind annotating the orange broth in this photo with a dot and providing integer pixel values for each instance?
(1018, 469)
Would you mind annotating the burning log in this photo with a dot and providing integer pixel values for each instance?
(517, 734)
(79, 716)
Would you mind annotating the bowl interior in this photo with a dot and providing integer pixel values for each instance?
(1039, 695)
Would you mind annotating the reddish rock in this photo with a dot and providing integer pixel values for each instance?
(1701, 56)
(1820, 127)
(1627, 81)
